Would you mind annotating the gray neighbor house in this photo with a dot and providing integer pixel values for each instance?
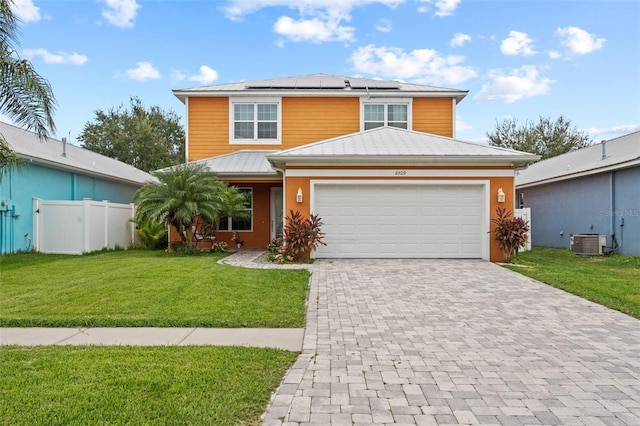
(594, 190)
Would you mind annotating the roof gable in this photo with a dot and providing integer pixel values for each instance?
(385, 144)
(59, 155)
(614, 154)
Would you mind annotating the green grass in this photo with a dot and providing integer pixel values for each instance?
(146, 289)
(138, 385)
(612, 281)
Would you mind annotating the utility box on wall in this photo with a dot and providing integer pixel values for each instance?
(588, 244)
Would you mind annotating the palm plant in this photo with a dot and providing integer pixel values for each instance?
(25, 96)
(150, 234)
(181, 194)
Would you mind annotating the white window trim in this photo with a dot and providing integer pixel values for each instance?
(255, 140)
(383, 101)
(230, 220)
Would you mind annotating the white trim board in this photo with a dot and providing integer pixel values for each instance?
(400, 172)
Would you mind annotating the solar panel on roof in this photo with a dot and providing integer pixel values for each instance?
(322, 81)
(260, 84)
(362, 83)
(300, 82)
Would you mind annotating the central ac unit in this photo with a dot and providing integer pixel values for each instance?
(588, 244)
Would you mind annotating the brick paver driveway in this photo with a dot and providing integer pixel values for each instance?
(456, 342)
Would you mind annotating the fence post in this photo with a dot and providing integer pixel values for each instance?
(86, 209)
(132, 224)
(36, 224)
(106, 223)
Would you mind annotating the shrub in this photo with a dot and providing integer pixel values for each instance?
(220, 247)
(278, 253)
(302, 235)
(511, 234)
(152, 235)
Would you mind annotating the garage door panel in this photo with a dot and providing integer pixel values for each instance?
(419, 221)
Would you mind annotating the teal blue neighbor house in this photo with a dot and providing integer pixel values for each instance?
(54, 170)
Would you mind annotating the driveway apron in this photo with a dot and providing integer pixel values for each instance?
(456, 342)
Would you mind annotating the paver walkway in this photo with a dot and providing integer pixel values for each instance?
(456, 342)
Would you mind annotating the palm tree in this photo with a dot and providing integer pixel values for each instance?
(25, 96)
(183, 193)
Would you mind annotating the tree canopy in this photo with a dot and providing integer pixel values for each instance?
(183, 193)
(546, 138)
(147, 138)
(25, 96)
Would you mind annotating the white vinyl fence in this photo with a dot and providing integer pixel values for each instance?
(526, 215)
(76, 227)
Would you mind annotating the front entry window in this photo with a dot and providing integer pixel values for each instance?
(231, 224)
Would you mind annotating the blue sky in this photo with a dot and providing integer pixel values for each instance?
(520, 59)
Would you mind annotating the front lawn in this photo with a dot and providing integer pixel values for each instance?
(612, 281)
(56, 385)
(146, 289)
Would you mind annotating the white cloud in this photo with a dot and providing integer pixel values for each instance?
(524, 82)
(318, 21)
(384, 25)
(461, 126)
(425, 66)
(443, 7)
(459, 39)
(618, 130)
(446, 7)
(206, 75)
(26, 10)
(56, 58)
(236, 9)
(143, 71)
(553, 54)
(579, 41)
(120, 13)
(517, 43)
(178, 75)
(315, 30)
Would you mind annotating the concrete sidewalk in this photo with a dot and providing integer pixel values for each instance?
(282, 338)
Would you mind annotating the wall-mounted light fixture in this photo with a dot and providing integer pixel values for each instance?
(501, 195)
(299, 195)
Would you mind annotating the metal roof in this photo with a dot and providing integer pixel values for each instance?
(609, 155)
(248, 163)
(78, 160)
(320, 85)
(388, 144)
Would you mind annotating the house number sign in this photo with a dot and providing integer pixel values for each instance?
(401, 172)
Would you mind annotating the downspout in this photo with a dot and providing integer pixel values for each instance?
(186, 130)
(612, 210)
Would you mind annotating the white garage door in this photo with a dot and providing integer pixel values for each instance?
(400, 221)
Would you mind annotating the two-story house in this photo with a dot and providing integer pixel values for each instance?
(376, 160)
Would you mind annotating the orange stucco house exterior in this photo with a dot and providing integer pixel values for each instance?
(376, 160)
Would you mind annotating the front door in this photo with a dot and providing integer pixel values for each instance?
(277, 218)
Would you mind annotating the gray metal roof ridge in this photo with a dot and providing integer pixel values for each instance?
(247, 84)
(397, 129)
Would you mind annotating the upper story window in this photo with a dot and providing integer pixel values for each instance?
(255, 121)
(379, 113)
